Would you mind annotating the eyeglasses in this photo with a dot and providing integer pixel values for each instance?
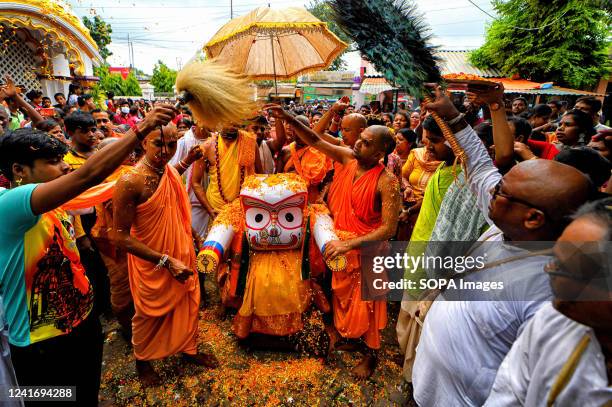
(498, 192)
(555, 268)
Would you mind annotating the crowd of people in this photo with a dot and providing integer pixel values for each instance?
(105, 209)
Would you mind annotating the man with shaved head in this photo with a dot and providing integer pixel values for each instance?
(364, 201)
(161, 257)
(463, 342)
(351, 125)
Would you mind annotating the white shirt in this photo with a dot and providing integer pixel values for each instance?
(532, 366)
(464, 342)
(183, 146)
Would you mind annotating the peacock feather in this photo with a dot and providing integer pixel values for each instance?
(393, 36)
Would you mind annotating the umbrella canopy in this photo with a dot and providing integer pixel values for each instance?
(275, 44)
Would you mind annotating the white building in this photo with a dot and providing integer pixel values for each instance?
(45, 46)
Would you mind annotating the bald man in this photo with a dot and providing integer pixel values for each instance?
(364, 201)
(161, 258)
(351, 125)
(464, 342)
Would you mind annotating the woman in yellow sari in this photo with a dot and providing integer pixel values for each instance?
(416, 172)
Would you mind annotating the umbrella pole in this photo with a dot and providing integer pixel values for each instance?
(274, 64)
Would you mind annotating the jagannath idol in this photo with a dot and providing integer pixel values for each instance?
(265, 246)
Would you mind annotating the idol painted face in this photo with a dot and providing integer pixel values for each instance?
(276, 226)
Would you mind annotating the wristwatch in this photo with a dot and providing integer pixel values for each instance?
(163, 262)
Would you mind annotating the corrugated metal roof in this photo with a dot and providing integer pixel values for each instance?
(457, 61)
(556, 91)
(374, 86)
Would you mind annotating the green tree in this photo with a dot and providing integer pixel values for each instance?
(163, 77)
(567, 42)
(114, 83)
(321, 10)
(101, 32)
(130, 85)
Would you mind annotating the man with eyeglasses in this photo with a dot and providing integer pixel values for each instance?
(564, 355)
(103, 122)
(464, 341)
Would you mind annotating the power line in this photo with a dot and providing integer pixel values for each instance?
(522, 28)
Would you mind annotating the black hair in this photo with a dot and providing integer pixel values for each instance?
(110, 94)
(557, 103)
(82, 100)
(46, 125)
(484, 131)
(540, 110)
(389, 116)
(601, 210)
(59, 94)
(259, 119)
(185, 121)
(521, 127)
(409, 135)
(33, 94)
(374, 120)
(430, 125)
(404, 113)
(24, 146)
(592, 102)
(59, 112)
(79, 120)
(584, 122)
(97, 111)
(134, 110)
(72, 88)
(521, 98)
(388, 142)
(316, 113)
(46, 97)
(587, 161)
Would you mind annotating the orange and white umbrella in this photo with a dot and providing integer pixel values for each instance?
(275, 43)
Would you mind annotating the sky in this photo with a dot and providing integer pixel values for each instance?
(174, 30)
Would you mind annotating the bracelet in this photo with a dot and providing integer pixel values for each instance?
(456, 119)
(183, 165)
(139, 134)
(162, 262)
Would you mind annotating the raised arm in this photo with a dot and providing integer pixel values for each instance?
(280, 138)
(194, 154)
(199, 172)
(481, 175)
(391, 202)
(125, 201)
(502, 135)
(53, 194)
(9, 90)
(326, 119)
(336, 153)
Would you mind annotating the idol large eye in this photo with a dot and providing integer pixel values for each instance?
(290, 218)
(257, 218)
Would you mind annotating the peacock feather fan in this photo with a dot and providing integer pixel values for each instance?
(393, 36)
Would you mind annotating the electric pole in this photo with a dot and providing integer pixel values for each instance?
(130, 50)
